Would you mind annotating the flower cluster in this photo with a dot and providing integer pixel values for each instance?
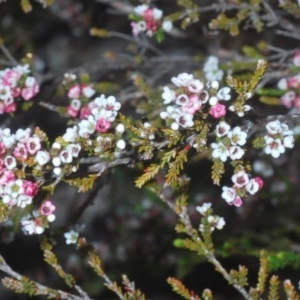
(242, 186)
(188, 97)
(39, 220)
(149, 20)
(79, 94)
(16, 152)
(211, 69)
(229, 142)
(16, 84)
(291, 86)
(213, 221)
(278, 138)
(103, 112)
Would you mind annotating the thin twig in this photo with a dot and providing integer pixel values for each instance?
(41, 289)
(8, 55)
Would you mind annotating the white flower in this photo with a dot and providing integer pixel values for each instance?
(71, 237)
(211, 63)
(183, 79)
(88, 91)
(75, 104)
(273, 147)
(24, 200)
(282, 84)
(140, 9)
(288, 141)
(182, 100)
(224, 94)
(274, 127)
(22, 135)
(14, 188)
(203, 208)
(10, 162)
(87, 127)
(42, 157)
(157, 13)
(30, 81)
(220, 151)
(172, 112)
(5, 93)
(8, 139)
(252, 187)
(195, 86)
(168, 95)
(236, 152)
(219, 223)
(74, 149)
(29, 226)
(222, 129)
(167, 25)
(66, 156)
(240, 111)
(240, 179)
(70, 135)
(185, 120)
(237, 136)
(229, 194)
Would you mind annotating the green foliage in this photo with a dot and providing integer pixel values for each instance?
(218, 169)
(282, 259)
(180, 289)
(83, 184)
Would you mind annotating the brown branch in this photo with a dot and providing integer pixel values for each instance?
(41, 289)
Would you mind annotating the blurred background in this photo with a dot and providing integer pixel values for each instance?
(131, 229)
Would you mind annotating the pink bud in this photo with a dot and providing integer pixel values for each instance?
(218, 111)
(259, 181)
(47, 208)
(102, 125)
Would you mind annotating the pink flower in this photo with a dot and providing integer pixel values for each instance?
(297, 102)
(72, 112)
(74, 91)
(1, 164)
(11, 78)
(259, 181)
(237, 201)
(193, 105)
(7, 176)
(20, 151)
(148, 15)
(84, 113)
(288, 98)
(102, 125)
(2, 148)
(218, 111)
(47, 208)
(152, 26)
(30, 188)
(29, 92)
(12, 107)
(16, 91)
(33, 144)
